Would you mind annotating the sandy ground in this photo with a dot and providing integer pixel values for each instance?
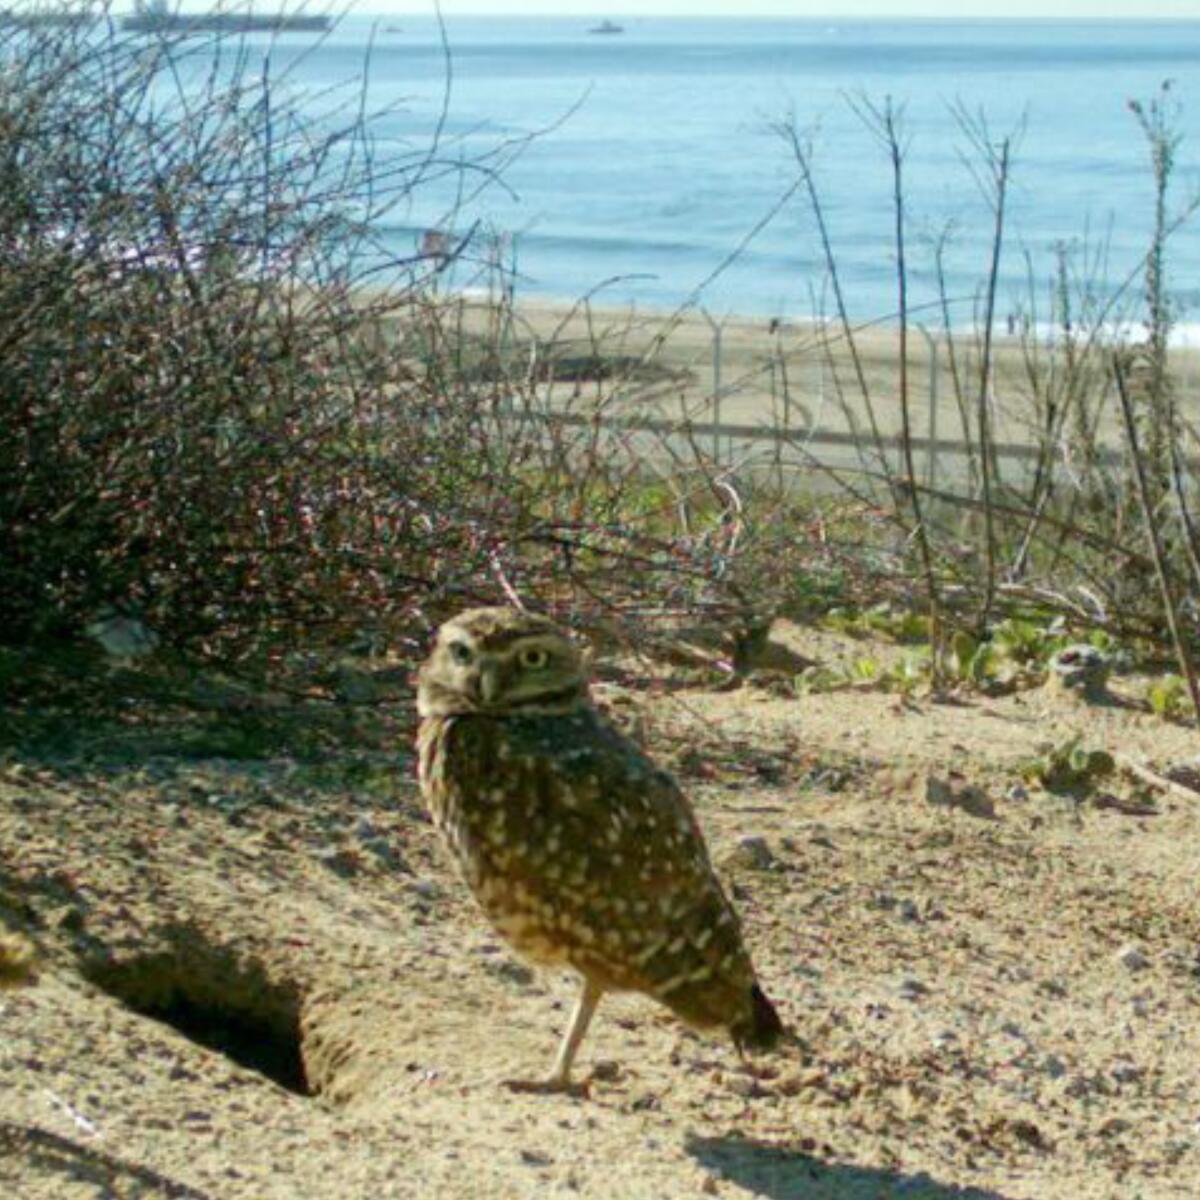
(755, 375)
(995, 1002)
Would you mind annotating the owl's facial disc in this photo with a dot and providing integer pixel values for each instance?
(492, 661)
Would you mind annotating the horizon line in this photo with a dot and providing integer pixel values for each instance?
(844, 19)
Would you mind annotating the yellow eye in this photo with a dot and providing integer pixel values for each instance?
(534, 658)
(460, 652)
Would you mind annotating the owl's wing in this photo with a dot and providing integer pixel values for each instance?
(612, 849)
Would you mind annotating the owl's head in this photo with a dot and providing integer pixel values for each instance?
(498, 660)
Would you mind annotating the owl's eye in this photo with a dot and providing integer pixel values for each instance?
(460, 652)
(534, 658)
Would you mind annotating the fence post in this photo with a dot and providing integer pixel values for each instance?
(716, 390)
(934, 371)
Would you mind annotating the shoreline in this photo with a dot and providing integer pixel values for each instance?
(1185, 335)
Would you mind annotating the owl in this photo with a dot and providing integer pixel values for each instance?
(581, 852)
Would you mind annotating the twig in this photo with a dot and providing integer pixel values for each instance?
(1155, 780)
(1160, 564)
(80, 1121)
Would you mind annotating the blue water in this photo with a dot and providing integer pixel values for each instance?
(658, 155)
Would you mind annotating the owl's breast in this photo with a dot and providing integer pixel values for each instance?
(494, 797)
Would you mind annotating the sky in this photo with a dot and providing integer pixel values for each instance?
(1082, 9)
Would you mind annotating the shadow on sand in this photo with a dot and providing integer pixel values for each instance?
(41, 1155)
(780, 1173)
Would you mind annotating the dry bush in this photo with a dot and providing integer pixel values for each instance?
(1063, 528)
(226, 411)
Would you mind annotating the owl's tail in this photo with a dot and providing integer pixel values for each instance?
(761, 1029)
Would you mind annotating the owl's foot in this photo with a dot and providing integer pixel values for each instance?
(559, 1083)
(554, 1086)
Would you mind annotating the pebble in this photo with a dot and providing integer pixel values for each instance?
(912, 989)
(387, 854)
(754, 854)
(1132, 958)
(1054, 1066)
(366, 830)
(514, 972)
(954, 791)
(1126, 1072)
(341, 861)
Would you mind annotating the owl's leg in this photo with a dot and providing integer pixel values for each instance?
(589, 997)
(560, 1076)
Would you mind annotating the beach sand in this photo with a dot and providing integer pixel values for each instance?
(996, 1001)
(753, 376)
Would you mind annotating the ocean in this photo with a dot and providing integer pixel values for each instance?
(659, 154)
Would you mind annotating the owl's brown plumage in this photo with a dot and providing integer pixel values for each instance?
(578, 848)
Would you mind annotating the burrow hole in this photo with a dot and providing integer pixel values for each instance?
(215, 998)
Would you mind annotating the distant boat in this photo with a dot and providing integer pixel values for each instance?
(607, 27)
(154, 16)
(45, 19)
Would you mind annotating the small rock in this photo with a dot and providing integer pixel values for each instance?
(746, 1087)
(954, 791)
(535, 1158)
(1126, 1072)
(121, 636)
(1132, 958)
(1030, 1134)
(341, 861)
(754, 854)
(607, 1070)
(1081, 670)
(70, 919)
(912, 989)
(1054, 1066)
(17, 961)
(426, 889)
(908, 911)
(386, 853)
(513, 972)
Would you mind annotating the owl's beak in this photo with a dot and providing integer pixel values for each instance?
(489, 682)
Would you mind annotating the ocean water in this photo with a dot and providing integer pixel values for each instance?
(659, 153)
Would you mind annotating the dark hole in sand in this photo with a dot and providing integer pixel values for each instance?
(215, 999)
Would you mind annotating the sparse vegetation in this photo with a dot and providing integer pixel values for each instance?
(1069, 766)
(247, 461)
